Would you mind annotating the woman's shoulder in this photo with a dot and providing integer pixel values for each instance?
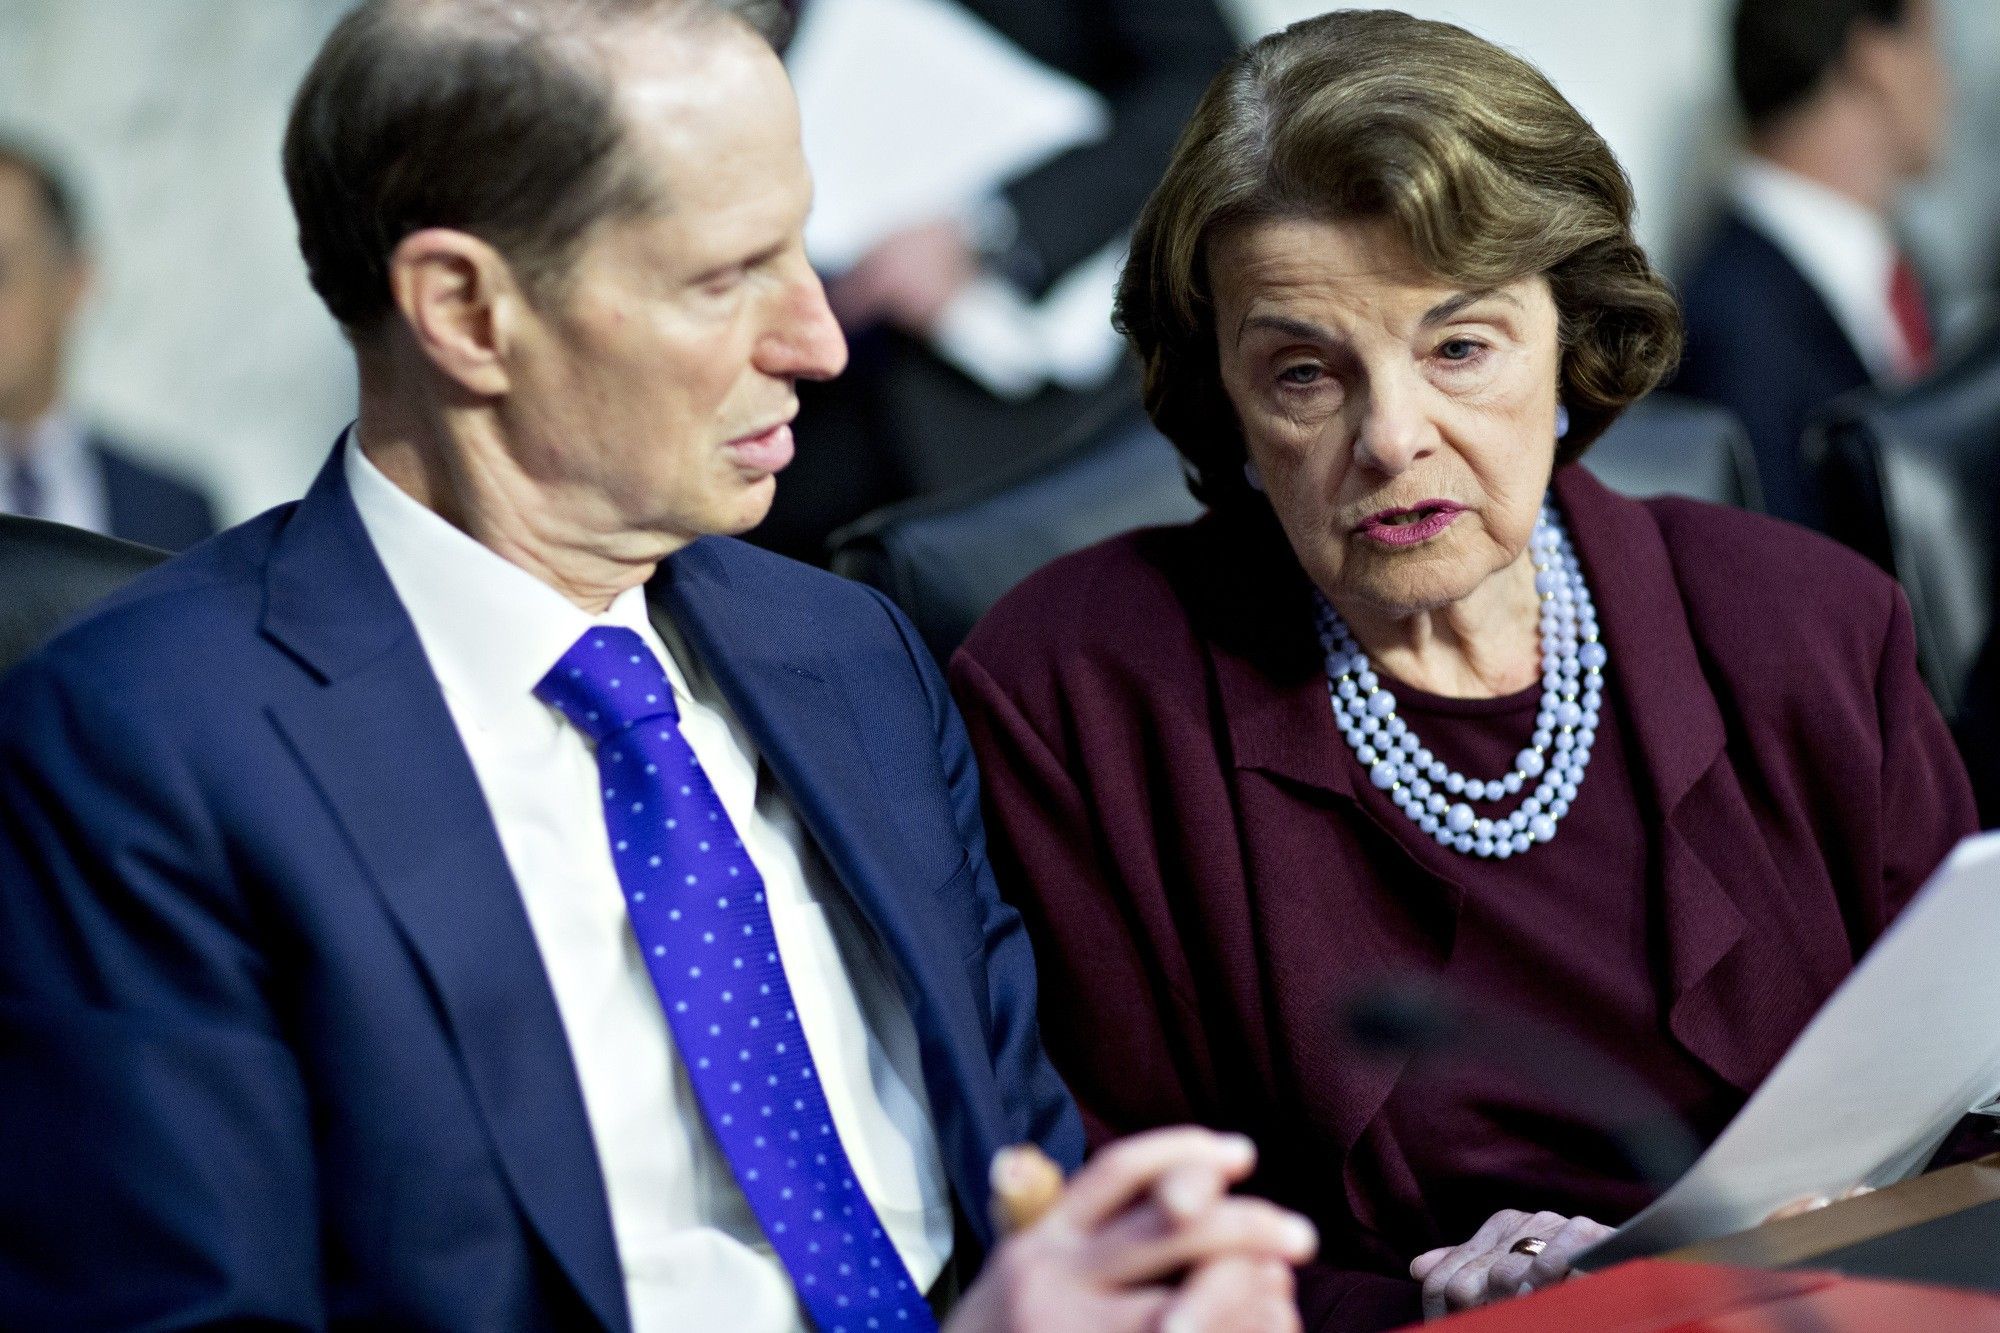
(1753, 578)
(1125, 596)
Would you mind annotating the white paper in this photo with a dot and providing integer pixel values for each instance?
(915, 109)
(1907, 1045)
(1014, 346)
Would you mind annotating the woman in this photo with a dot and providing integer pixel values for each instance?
(1419, 695)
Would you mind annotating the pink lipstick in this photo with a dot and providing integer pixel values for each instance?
(1409, 527)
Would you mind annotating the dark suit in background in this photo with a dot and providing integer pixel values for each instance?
(901, 422)
(1762, 342)
(143, 504)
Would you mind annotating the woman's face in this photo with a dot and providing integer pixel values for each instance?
(1403, 429)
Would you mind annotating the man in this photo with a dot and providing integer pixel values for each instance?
(480, 897)
(1802, 293)
(51, 465)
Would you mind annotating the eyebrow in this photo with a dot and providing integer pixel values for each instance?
(1306, 331)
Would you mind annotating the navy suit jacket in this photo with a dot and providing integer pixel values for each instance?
(146, 505)
(1762, 343)
(275, 1037)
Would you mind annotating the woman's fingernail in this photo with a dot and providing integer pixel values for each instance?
(1239, 1148)
(1301, 1237)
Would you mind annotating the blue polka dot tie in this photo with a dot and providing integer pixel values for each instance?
(697, 906)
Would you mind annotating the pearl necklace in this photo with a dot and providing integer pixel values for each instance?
(1422, 786)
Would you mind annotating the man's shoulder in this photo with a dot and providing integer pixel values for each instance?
(826, 599)
(188, 619)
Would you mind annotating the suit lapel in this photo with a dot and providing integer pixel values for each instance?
(1737, 999)
(772, 659)
(384, 753)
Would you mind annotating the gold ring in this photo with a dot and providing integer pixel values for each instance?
(1528, 1245)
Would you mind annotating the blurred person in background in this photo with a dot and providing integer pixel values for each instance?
(1803, 292)
(52, 464)
(902, 421)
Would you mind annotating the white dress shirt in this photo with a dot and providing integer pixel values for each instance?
(691, 1250)
(1845, 251)
(59, 457)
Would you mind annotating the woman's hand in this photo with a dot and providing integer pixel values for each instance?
(1142, 1213)
(1487, 1268)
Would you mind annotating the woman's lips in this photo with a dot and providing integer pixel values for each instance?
(1408, 527)
(766, 451)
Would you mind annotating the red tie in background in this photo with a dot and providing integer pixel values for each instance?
(1913, 316)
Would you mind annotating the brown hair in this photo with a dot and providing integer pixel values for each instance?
(1478, 162)
(494, 117)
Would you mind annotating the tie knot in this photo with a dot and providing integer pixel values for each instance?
(606, 682)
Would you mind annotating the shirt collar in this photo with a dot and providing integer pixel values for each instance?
(490, 629)
(55, 442)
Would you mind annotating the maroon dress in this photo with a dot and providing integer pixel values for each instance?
(1209, 877)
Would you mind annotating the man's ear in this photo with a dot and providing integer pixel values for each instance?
(461, 302)
(1870, 61)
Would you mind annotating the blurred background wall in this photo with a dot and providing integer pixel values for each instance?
(205, 344)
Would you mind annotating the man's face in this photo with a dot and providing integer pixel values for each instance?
(41, 284)
(1916, 93)
(664, 386)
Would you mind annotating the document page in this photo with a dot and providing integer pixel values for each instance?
(1907, 1045)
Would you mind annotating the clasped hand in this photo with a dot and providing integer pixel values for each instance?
(1147, 1237)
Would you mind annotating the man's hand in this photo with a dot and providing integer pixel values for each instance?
(1487, 1268)
(1148, 1210)
(907, 280)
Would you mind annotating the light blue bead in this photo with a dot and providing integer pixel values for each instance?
(1462, 841)
(1511, 783)
(1406, 772)
(1429, 823)
(1568, 714)
(1395, 726)
(1541, 828)
(1366, 754)
(1503, 849)
(1382, 775)
(1531, 806)
(1582, 753)
(1558, 808)
(1482, 846)
(1347, 689)
(1475, 790)
(1547, 582)
(1381, 703)
(1454, 783)
(1545, 721)
(1425, 758)
(1482, 828)
(1529, 762)
(1522, 842)
(1436, 803)
(1565, 741)
(1459, 818)
(1370, 725)
(1593, 655)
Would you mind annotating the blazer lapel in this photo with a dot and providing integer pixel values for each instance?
(1736, 1000)
(385, 755)
(773, 661)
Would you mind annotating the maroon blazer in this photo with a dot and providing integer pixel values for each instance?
(1176, 816)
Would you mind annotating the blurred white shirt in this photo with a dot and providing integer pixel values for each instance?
(65, 470)
(693, 1254)
(1845, 251)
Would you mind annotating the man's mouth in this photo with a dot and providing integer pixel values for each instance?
(765, 451)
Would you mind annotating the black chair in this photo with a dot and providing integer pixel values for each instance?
(946, 558)
(49, 573)
(1669, 445)
(1912, 480)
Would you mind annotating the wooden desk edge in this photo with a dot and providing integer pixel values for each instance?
(1801, 1239)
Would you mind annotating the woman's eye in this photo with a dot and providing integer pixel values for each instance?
(1302, 374)
(1460, 350)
